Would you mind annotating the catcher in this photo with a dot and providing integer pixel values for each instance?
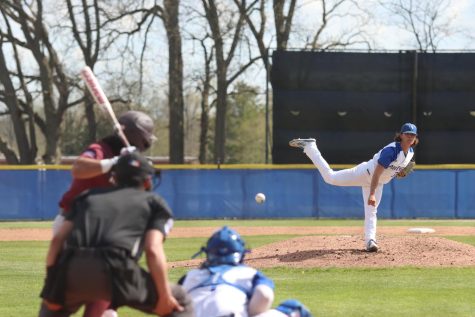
(224, 285)
(394, 160)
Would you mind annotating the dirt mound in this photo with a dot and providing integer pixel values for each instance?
(327, 246)
(347, 251)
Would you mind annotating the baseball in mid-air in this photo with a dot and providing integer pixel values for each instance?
(260, 198)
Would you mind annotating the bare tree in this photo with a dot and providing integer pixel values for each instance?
(333, 12)
(16, 107)
(205, 87)
(203, 75)
(169, 14)
(284, 11)
(426, 20)
(49, 82)
(175, 85)
(226, 31)
(222, 63)
(87, 34)
(282, 22)
(283, 16)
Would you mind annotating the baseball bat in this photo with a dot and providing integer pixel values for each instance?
(99, 96)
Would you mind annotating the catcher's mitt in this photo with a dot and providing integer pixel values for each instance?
(406, 170)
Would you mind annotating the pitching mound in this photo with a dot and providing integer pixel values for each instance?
(347, 251)
(328, 246)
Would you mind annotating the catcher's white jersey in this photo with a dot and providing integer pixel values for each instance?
(392, 158)
(274, 313)
(223, 290)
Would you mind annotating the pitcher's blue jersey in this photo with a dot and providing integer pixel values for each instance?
(392, 158)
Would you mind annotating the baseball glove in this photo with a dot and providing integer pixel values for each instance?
(406, 170)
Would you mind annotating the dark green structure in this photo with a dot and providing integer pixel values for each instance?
(354, 102)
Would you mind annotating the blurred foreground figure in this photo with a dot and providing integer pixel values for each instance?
(94, 255)
(92, 169)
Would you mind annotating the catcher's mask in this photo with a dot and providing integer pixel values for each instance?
(138, 128)
(294, 308)
(225, 246)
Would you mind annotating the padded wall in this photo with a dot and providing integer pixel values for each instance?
(229, 193)
(353, 103)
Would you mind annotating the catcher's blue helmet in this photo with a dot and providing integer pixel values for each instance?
(292, 306)
(225, 246)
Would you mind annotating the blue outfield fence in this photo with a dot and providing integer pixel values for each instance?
(229, 193)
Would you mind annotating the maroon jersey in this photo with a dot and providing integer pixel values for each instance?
(100, 150)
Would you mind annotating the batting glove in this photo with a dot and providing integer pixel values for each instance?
(106, 164)
(127, 150)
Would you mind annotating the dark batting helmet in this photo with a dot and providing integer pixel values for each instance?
(225, 246)
(132, 169)
(138, 128)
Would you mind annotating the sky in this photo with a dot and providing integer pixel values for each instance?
(384, 29)
(463, 13)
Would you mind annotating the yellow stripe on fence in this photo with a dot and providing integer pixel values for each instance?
(240, 166)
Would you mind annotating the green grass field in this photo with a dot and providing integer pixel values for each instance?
(407, 291)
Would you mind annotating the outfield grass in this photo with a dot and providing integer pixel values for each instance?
(380, 292)
(365, 292)
(463, 239)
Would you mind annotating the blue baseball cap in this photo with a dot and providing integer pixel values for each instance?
(409, 128)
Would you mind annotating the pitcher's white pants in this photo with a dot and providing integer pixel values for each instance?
(356, 176)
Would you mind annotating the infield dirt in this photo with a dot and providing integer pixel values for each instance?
(327, 246)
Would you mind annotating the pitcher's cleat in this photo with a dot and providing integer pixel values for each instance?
(301, 143)
(371, 246)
